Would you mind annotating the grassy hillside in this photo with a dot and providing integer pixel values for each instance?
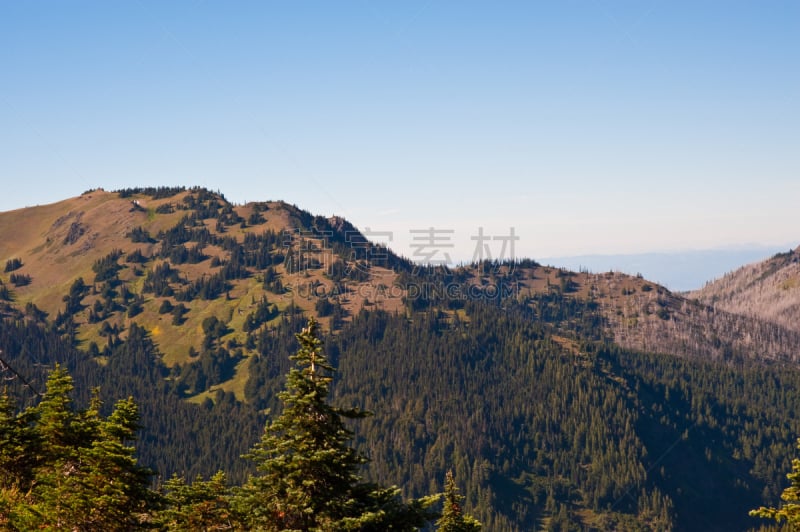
(173, 261)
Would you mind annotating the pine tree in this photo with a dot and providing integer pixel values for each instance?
(308, 476)
(19, 456)
(453, 518)
(19, 445)
(116, 485)
(56, 495)
(86, 476)
(201, 505)
(789, 511)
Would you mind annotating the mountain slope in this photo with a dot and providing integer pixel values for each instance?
(769, 290)
(538, 386)
(203, 277)
(637, 314)
(117, 243)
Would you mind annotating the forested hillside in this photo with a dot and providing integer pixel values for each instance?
(539, 430)
(556, 398)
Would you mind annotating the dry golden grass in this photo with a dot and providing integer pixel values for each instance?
(97, 222)
(60, 242)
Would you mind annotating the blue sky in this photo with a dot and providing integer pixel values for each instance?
(588, 127)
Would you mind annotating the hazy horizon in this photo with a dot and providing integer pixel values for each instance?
(680, 271)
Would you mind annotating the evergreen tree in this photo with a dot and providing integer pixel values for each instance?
(308, 476)
(201, 505)
(116, 485)
(19, 445)
(19, 452)
(56, 496)
(789, 511)
(85, 477)
(453, 518)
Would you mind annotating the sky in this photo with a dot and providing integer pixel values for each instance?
(583, 127)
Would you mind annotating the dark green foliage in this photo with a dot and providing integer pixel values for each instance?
(227, 217)
(19, 445)
(177, 436)
(337, 316)
(324, 307)
(346, 242)
(166, 307)
(177, 254)
(516, 416)
(179, 234)
(521, 414)
(307, 473)
(201, 505)
(707, 427)
(789, 510)
(20, 279)
(180, 254)
(165, 208)
(139, 234)
(76, 294)
(264, 312)
(107, 268)
(80, 471)
(214, 329)
(159, 280)
(178, 312)
(453, 518)
(136, 306)
(204, 203)
(273, 348)
(212, 366)
(207, 287)
(5, 293)
(136, 256)
(272, 281)
(153, 192)
(34, 312)
(13, 264)
(255, 218)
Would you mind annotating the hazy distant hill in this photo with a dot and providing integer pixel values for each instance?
(769, 290)
(678, 271)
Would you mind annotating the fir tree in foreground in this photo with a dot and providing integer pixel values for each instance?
(69, 469)
(308, 474)
(789, 511)
(453, 518)
(201, 505)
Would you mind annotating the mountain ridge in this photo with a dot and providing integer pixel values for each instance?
(769, 290)
(564, 399)
(317, 265)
